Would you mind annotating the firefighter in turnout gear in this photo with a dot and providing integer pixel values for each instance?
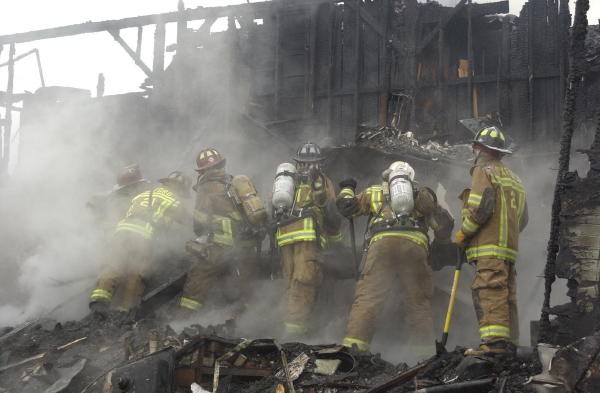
(306, 224)
(400, 215)
(109, 208)
(229, 221)
(130, 251)
(494, 213)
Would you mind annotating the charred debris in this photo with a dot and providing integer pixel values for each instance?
(376, 79)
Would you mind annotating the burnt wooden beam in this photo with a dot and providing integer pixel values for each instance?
(429, 37)
(367, 17)
(357, 61)
(470, 68)
(144, 20)
(140, 37)
(331, 66)
(386, 70)
(158, 65)
(136, 58)
(8, 113)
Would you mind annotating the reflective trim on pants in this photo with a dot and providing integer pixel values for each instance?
(491, 331)
(295, 328)
(360, 344)
(190, 304)
(101, 294)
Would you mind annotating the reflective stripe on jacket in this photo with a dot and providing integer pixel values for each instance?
(311, 204)
(498, 236)
(215, 213)
(141, 218)
(374, 201)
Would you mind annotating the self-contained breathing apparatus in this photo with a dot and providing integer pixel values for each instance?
(285, 187)
(401, 199)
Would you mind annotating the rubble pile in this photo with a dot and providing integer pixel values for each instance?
(391, 140)
(118, 354)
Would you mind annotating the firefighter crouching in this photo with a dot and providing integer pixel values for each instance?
(307, 220)
(229, 220)
(130, 251)
(400, 214)
(109, 208)
(494, 213)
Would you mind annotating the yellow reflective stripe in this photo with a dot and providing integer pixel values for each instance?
(521, 209)
(308, 233)
(468, 226)
(494, 331)
(335, 238)
(99, 293)
(190, 304)
(503, 230)
(376, 199)
(146, 230)
(414, 236)
(474, 199)
(303, 194)
(295, 328)
(360, 344)
(489, 251)
(347, 193)
(508, 182)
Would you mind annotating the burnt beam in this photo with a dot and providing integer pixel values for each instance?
(136, 58)
(145, 20)
(429, 37)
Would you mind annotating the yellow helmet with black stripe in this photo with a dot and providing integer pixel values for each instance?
(493, 139)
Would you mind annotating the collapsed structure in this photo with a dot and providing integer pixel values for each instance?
(376, 79)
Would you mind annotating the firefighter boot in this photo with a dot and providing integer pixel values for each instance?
(501, 348)
(100, 308)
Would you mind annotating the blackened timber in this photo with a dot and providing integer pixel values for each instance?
(138, 45)
(136, 58)
(38, 59)
(118, 24)
(530, 60)
(429, 37)
(366, 16)
(8, 112)
(470, 58)
(158, 65)
(331, 67)
(357, 60)
(277, 73)
(576, 71)
(386, 78)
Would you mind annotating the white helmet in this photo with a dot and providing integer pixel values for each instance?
(401, 166)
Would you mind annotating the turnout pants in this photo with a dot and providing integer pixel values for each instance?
(303, 272)
(226, 269)
(129, 263)
(396, 264)
(494, 292)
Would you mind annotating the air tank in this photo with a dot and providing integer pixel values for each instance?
(401, 193)
(284, 187)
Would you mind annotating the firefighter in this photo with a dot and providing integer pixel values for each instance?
(400, 215)
(130, 251)
(305, 227)
(494, 213)
(229, 220)
(111, 207)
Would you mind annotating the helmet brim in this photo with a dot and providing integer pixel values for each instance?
(215, 165)
(498, 149)
(309, 160)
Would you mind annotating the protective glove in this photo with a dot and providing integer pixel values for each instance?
(347, 206)
(349, 183)
(460, 238)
